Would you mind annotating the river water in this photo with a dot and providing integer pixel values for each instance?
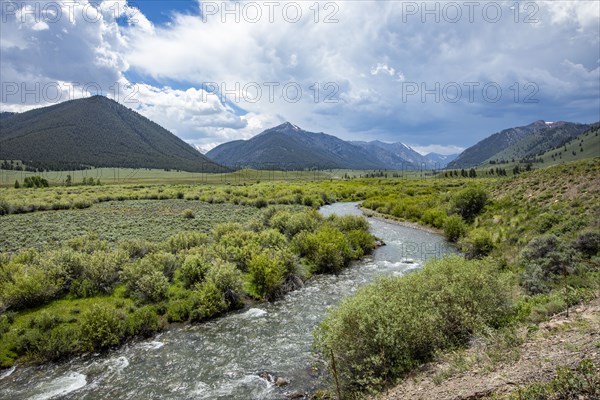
(225, 358)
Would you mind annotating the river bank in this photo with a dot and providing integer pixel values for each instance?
(563, 341)
(391, 219)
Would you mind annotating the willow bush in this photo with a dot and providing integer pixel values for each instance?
(389, 327)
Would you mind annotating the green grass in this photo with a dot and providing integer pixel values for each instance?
(120, 176)
(114, 221)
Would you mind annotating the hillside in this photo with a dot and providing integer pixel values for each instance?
(540, 141)
(518, 142)
(586, 145)
(97, 132)
(493, 144)
(288, 147)
(6, 114)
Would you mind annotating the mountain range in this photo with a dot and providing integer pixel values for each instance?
(519, 143)
(98, 132)
(289, 147)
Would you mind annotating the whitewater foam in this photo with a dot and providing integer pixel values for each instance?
(62, 386)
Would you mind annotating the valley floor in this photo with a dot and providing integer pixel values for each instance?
(560, 342)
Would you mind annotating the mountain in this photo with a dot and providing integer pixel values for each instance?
(288, 147)
(440, 160)
(538, 142)
(536, 137)
(395, 155)
(493, 144)
(6, 114)
(586, 145)
(95, 131)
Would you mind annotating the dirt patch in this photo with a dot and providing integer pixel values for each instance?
(562, 341)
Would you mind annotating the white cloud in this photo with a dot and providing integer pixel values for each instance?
(560, 55)
(382, 68)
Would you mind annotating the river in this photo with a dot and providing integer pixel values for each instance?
(225, 358)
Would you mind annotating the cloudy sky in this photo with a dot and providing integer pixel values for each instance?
(437, 75)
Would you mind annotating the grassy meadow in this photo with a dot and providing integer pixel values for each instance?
(87, 268)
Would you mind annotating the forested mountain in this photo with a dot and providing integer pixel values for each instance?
(6, 114)
(519, 142)
(538, 142)
(95, 131)
(290, 148)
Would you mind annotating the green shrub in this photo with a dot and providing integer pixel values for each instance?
(44, 321)
(389, 327)
(145, 281)
(361, 242)
(347, 223)
(267, 271)
(102, 326)
(546, 260)
(187, 213)
(185, 241)
(137, 248)
(67, 264)
(260, 203)
(454, 228)
(207, 301)
(434, 217)
(327, 248)
(193, 270)
(587, 243)
(228, 280)
(26, 285)
(100, 273)
(60, 342)
(271, 238)
(291, 224)
(35, 182)
(222, 229)
(477, 244)
(5, 207)
(581, 383)
(88, 244)
(546, 221)
(165, 262)
(54, 343)
(469, 202)
(179, 310)
(144, 322)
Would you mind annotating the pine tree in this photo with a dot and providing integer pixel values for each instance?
(17, 184)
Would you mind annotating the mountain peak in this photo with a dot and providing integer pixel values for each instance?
(287, 125)
(289, 147)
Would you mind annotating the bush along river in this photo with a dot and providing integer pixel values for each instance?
(263, 352)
